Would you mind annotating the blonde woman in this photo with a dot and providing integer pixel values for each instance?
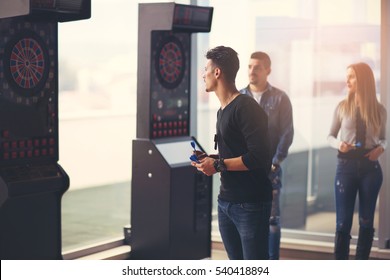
(358, 133)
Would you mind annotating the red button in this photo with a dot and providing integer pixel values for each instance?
(36, 143)
(22, 143)
(5, 134)
(14, 144)
(44, 141)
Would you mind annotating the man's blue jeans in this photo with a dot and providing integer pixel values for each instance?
(274, 226)
(244, 229)
(354, 177)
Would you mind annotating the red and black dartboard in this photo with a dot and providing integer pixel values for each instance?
(170, 62)
(26, 63)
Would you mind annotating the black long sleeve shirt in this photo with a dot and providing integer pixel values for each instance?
(242, 130)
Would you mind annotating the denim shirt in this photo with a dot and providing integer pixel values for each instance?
(277, 105)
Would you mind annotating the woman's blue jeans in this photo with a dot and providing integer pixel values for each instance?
(244, 229)
(354, 177)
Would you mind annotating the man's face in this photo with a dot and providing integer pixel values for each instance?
(257, 72)
(209, 77)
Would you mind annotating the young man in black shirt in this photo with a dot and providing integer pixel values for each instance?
(245, 197)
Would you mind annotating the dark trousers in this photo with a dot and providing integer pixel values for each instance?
(244, 229)
(356, 178)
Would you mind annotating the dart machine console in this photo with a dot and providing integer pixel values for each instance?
(31, 181)
(170, 199)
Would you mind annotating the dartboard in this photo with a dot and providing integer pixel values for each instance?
(26, 60)
(26, 66)
(27, 63)
(170, 62)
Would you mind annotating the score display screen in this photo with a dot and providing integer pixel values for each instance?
(192, 18)
(43, 4)
(60, 10)
(60, 5)
(176, 152)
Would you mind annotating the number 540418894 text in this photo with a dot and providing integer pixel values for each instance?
(241, 270)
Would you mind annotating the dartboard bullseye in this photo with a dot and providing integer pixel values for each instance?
(170, 63)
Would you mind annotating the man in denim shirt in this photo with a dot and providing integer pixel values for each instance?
(277, 105)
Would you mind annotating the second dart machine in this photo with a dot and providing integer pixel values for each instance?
(31, 181)
(170, 199)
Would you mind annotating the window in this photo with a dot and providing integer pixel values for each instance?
(310, 44)
(97, 103)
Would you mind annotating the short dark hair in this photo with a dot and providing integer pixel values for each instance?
(263, 57)
(226, 59)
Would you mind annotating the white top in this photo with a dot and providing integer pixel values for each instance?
(343, 129)
(257, 95)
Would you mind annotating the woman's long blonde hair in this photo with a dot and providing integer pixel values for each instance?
(369, 105)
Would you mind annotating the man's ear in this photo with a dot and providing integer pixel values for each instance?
(217, 72)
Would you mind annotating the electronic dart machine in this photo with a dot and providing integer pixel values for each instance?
(170, 199)
(31, 181)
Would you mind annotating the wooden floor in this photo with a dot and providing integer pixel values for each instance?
(307, 251)
(218, 251)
